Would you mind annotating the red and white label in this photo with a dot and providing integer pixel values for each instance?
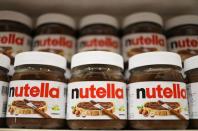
(154, 100)
(178, 43)
(3, 98)
(89, 100)
(142, 42)
(186, 46)
(193, 100)
(47, 96)
(99, 42)
(12, 43)
(60, 44)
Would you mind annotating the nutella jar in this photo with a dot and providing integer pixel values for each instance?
(55, 33)
(36, 97)
(98, 33)
(15, 33)
(191, 70)
(96, 91)
(182, 35)
(4, 68)
(157, 96)
(142, 32)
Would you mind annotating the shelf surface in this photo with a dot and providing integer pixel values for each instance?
(6, 129)
(118, 8)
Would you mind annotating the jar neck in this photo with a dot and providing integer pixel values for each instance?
(54, 28)
(97, 73)
(192, 76)
(143, 27)
(156, 73)
(38, 68)
(99, 29)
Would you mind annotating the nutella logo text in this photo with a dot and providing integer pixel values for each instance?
(183, 42)
(43, 90)
(152, 39)
(162, 92)
(61, 41)
(108, 91)
(95, 42)
(11, 39)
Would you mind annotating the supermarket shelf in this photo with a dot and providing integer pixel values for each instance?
(117, 8)
(5, 129)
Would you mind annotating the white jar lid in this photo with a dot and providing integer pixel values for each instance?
(191, 63)
(155, 58)
(16, 17)
(56, 18)
(4, 61)
(181, 20)
(40, 58)
(142, 17)
(97, 57)
(98, 19)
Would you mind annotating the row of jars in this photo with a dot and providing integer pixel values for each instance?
(96, 95)
(57, 33)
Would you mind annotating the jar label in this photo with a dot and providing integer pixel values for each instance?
(193, 100)
(36, 99)
(142, 42)
(12, 43)
(60, 44)
(186, 46)
(96, 100)
(157, 101)
(99, 42)
(3, 98)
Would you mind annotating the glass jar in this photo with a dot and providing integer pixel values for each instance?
(55, 33)
(36, 97)
(182, 32)
(191, 71)
(15, 33)
(4, 81)
(142, 32)
(157, 97)
(97, 91)
(98, 32)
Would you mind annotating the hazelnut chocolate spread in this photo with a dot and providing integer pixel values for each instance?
(155, 105)
(99, 74)
(157, 94)
(90, 106)
(22, 104)
(42, 84)
(4, 67)
(55, 33)
(98, 32)
(142, 32)
(191, 71)
(181, 32)
(15, 33)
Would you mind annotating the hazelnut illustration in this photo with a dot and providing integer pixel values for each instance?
(77, 113)
(140, 111)
(145, 113)
(74, 110)
(152, 114)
